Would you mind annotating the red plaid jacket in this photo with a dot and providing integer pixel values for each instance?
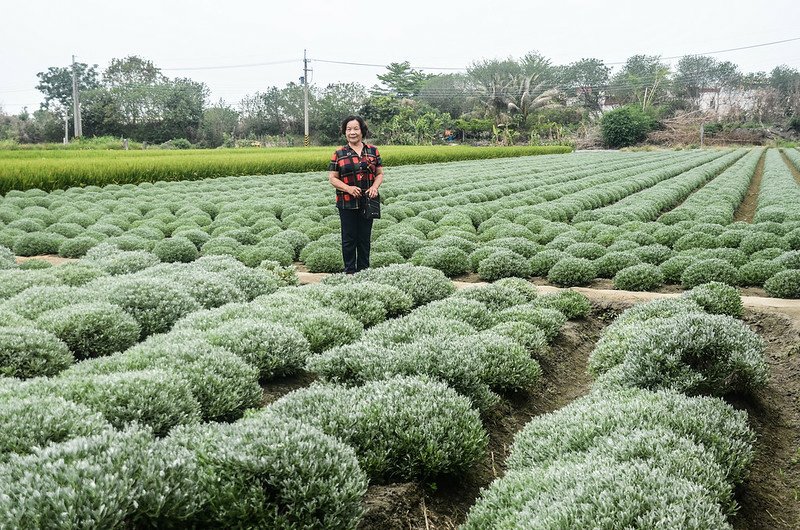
(354, 170)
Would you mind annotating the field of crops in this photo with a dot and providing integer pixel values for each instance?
(177, 376)
(60, 169)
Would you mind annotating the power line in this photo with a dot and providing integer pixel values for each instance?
(223, 67)
(384, 66)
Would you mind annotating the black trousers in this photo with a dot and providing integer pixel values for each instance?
(356, 233)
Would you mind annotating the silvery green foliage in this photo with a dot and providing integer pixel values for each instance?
(251, 282)
(286, 276)
(114, 261)
(14, 281)
(548, 320)
(223, 383)
(642, 277)
(155, 303)
(756, 272)
(784, 284)
(612, 262)
(76, 247)
(693, 353)
(569, 303)
(396, 301)
(27, 352)
(717, 298)
(210, 289)
(325, 259)
(7, 259)
(675, 266)
(584, 423)
(618, 337)
(155, 398)
(35, 264)
(38, 243)
(354, 299)
(543, 261)
(598, 493)
(494, 296)
(276, 350)
(526, 335)
(410, 328)
(504, 263)
(91, 329)
(407, 427)
(175, 249)
(423, 284)
(27, 422)
(522, 286)
(260, 472)
(87, 482)
(76, 274)
(471, 312)
(709, 270)
(451, 260)
(34, 301)
(9, 319)
(569, 272)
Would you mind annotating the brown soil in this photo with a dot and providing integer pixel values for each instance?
(747, 209)
(53, 260)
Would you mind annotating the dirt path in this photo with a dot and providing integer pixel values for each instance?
(791, 166)
(747, 209)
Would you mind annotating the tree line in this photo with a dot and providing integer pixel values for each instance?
(513, 100)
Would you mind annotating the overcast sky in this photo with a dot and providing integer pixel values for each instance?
(180, 36)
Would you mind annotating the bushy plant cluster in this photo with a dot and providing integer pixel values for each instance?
(407, 428)
(659, 458)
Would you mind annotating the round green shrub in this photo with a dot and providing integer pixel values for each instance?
(384, 259)
(404, 419)
(709, 270)
(642, 277)
(625, 126)
(530, 337)
(612, 262)
(495, 297)
(472, 312)
(717, 298)
(156, 304)
(274, 349)
(590, 251)
(38, 243)
(34, 301)
(790, 259)
(263, 471)
(502, 264)
(756, 272)
(155, 398)
(34, 264)
(423, 284)
(327, 259)
(14, 281)
(28, 352)
(548, 320)
(653, 254)
(91, 329)
(68, 230)
(76, 248)
(452, 261)
(252, 256)
(569, 303)
(569, 272)
(784, 284)
(521, 286)
(674, 267)
(29, 421)
(543, 261)
(759, 241)
(695, 240)
(175, 249)
(77, 274)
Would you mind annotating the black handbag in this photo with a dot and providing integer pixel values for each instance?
(370, 208)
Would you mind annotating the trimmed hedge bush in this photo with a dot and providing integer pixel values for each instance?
(784, 284)
(570, 272)
(642, 277)
(717, 298)
(569, 303)
(408, 428)
(27, 352)
(612, 262)
(709, 270)
(176, 249)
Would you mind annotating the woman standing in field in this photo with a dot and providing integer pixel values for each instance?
(356, 171)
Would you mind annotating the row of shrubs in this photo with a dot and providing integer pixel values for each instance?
(177, 385)
(637, 451)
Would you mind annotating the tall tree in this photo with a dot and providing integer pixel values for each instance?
(786, 82)
(587, 79)
(643, 80)
(56, 84)
(332, 104)
(401, 80)
(697, 72)
(218, 124)
(450, 93)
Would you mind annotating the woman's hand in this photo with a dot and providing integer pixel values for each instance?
(355, 191)
(372, 192)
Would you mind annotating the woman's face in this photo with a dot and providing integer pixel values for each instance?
(353, 132)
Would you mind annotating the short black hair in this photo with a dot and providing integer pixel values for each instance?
(361, 123)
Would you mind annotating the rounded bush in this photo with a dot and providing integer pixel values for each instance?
(252, 256)
(674, 267)
(717, 298)
(327, 259)
(612, 262)
(274, 349)
(91, 329)
(35, 264)
(77, 247)
(756, 272)
(452, 261)
(530, 337)
(34, 301)
(502, 264)
(521, 286)
(543, 261)
(384, 259)
(175, 249)
(569, 272)
(156, 304)
(472, 312)
(784, 284)
(759, 241)
(38, 243)
(263, 471)
(423, 284)
(403, 420)
(695, 240)
(709, 270)
(77, 274)
(642, 277)
(28, 352)
(653, 254)
(790, 260)
(569, 303)
(548, 320)
(495, 297)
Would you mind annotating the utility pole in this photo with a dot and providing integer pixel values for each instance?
(305, 97)
(76, 102)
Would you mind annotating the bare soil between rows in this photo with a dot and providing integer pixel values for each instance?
(747, 209)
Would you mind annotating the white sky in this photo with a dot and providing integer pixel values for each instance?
(37, 34)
